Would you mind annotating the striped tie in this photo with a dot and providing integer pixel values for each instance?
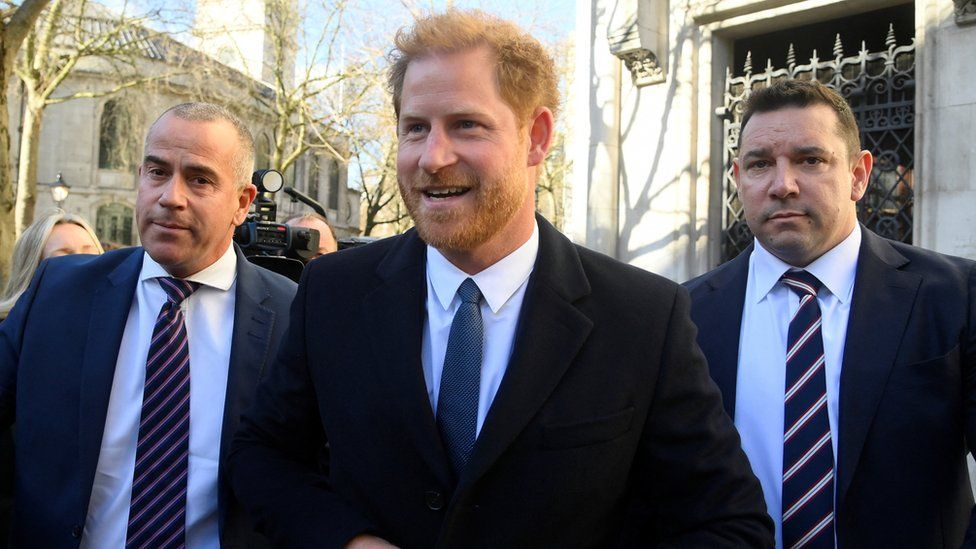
(157, 513)
(808, 458)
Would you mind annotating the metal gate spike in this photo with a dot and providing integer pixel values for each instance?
(886, 114)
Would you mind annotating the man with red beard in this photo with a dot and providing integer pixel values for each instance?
(489, 384)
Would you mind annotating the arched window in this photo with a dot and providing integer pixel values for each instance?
(262, 160)
(333, 184)
(313, 177)
(113, 223)
(118, 136)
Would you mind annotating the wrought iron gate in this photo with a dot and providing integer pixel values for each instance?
(880, 86)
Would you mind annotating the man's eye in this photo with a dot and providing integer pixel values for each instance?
(415, 128)
(467, 124)
(759, 164)
(813, 160)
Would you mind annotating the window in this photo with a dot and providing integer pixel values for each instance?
(291, 175)
(313, 177)
(118, 137)
(114, 224)
(262, 159)
(333, 184)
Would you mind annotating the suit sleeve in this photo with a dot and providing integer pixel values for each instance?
(11, 340)
(699, 487)
(969, 386)
(273, 463)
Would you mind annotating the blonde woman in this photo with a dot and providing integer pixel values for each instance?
(53, 234)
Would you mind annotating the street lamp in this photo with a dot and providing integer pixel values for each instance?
(60, 190)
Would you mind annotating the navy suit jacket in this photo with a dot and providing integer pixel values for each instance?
(907, 389)
(58, 349)
(605, 415)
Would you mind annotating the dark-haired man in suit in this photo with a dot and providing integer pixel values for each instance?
(493, 385)
(127, 372)
(847, 361)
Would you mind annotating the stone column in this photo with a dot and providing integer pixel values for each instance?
(945, 216)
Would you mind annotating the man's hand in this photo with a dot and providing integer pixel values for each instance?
(369, 542)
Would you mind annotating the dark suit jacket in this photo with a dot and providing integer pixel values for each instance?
(907, 389)
(606, 402)
(58, 350)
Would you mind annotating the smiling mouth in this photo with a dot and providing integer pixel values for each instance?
(440, 194)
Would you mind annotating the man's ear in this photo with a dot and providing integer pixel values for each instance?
(735, 171)
(540, 135)
(861, 174)
(244, 202)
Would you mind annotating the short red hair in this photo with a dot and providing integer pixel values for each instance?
(524, 70)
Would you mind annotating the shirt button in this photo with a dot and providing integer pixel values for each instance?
(434, 499)
(76, 531)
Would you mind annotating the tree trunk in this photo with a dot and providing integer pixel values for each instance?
(8, 228)
(30, 138)
(12, 36)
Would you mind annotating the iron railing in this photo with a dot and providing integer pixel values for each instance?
(880, 86)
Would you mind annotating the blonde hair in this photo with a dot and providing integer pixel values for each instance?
(524, 70)
(28, 251)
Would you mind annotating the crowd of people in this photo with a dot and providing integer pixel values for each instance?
(481, 381)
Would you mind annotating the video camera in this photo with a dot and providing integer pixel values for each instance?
(273, 245)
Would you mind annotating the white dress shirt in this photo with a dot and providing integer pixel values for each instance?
(761, 380)
(503, 287)
(209, 317)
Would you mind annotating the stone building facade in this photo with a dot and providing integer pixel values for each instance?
(660, 82)
(96, 144)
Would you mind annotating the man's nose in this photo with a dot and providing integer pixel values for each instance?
(438, 151)
(784, 181)
(173, 194)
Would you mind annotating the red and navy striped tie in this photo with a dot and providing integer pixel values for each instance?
(157, 513)
(808, 457)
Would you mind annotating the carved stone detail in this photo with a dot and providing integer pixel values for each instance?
(965, 12)
(644, 67)
(638, 35)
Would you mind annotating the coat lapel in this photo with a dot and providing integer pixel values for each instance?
(395, 310)
(250, 352)
(718, 314)
(550, 332)
(882, 303)
(110, 310)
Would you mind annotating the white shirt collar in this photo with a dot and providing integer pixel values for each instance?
(497, 283)
(220, 274)
(835, 269)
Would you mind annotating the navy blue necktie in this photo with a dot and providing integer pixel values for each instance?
(457, 403)
(808, 457)
(157, 511)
